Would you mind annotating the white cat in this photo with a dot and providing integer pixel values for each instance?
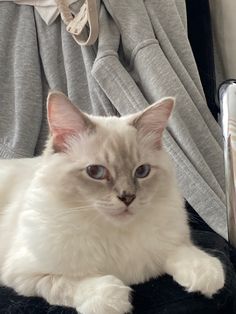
(98, 211)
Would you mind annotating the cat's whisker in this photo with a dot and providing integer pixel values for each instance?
(93, 220)
(74, 208)
(78, 202)
(12, 204)
(88, 225)
(70, 212)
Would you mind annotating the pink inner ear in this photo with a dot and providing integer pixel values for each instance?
(60, 139)
(65, 120)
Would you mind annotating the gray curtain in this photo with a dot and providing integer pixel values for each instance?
(142, 54)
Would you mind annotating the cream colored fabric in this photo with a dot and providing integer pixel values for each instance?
(223, 18)
(76, 22)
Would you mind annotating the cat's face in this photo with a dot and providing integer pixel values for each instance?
(114, 166)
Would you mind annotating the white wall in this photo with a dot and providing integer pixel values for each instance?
(223, 15)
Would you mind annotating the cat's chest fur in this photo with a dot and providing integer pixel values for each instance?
(133, 254)
(130, 256)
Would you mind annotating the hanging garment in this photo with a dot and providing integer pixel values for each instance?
(47, 9)
(142, 54)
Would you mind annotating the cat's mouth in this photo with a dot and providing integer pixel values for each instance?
(122, 214)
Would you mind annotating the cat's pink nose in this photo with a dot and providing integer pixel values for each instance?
(127, 198)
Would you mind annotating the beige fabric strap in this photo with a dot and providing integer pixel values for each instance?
(76, 23)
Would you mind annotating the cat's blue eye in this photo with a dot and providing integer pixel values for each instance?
(142, 171)
(97, 172)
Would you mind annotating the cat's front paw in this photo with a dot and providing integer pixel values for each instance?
(111, 296)
(203, 274)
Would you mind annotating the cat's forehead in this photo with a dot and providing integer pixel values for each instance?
(115, 129)
(117, 140)
(112, 122)
(112, 143)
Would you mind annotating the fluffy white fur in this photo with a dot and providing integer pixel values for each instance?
(68, 238)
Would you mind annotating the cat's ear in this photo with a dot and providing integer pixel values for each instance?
(65, 120)
(154, 119)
